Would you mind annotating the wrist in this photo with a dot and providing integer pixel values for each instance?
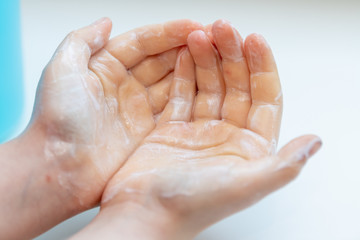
(34, 197)
(132, 220)
(75, 162)
(69, 165)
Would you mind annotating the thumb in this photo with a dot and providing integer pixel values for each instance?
(298, 151)
(289, 161)
(264, 176)
(81, 44)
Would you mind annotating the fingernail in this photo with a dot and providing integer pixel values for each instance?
(315, 147)
(310, 149)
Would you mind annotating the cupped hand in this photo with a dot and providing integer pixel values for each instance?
(98, 99)
(213, 152)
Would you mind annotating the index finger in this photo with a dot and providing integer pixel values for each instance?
(132, 47)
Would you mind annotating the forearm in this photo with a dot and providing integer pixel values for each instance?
(32, 199)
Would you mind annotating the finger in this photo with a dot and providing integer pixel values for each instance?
(263, 176)
(287, 164)
(132, 47)
(134, 108)
(159, 93)
(154, 68)
(209, 79)
(77, 48)
(109, 70)
(237, 100)
(265, 113)
(182, 92)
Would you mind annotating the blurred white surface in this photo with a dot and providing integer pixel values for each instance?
(317, 47)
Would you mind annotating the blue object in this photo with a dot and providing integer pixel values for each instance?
(11, 83)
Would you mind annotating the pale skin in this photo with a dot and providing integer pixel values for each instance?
(96, 101)
(213, 151)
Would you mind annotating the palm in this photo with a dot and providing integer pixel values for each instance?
(181, 159)
(98, 109)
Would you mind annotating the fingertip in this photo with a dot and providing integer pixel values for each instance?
(197, 37)
(228, 40)
(107, 23)
(201, 49)
(182, 91)
(259, 54)
(104, 25)
(256, 40)
(220, 24)
(197, 26)
(194, 25)
(177, 31)
(291, 159)
(313, 146)
(95, 35)
(185, 26)
(195, 40)
(256, 45)
(284, 167)
(301, 149)
(102, 21)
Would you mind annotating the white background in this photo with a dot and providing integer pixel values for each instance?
(317, 47)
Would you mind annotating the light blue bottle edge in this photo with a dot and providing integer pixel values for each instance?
(11, 74)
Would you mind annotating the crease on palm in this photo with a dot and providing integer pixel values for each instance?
(130, 100)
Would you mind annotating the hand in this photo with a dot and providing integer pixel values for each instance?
(96, 101)
(212, 154)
